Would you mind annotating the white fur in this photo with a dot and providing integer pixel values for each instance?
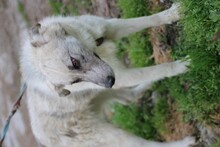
(75, 119)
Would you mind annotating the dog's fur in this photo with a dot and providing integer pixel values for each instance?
(69, 66)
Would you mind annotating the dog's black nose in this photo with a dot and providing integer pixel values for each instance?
(110, 81)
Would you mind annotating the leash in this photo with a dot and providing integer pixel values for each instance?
(16, 106)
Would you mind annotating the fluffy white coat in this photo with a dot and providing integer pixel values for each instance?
(69, 65)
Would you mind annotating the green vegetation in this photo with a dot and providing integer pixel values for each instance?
(200, 23)
(59, 8)
(196, 92)
(160, 114)
(145, 121)
(135, 119)
(68, 8)
(137, 45)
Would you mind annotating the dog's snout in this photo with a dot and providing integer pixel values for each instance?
(110, 81)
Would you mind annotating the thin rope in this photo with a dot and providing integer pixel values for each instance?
(14, 110)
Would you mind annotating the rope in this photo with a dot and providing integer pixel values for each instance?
(14, 110)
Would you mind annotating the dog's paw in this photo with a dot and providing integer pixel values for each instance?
(188, 141)
(180, 66)
(173, 12)
(175, 7)
(140, 90)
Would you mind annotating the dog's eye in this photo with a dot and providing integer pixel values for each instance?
(99, 41)
(76, 63)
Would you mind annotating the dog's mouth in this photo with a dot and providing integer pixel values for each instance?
(76, 81)
(107, 83)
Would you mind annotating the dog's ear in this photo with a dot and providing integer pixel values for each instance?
(36, 36)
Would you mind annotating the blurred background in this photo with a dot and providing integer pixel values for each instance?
(177, 107)
(12, 24)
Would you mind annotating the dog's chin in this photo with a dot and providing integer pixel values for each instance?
(107, 83)
(104, 85)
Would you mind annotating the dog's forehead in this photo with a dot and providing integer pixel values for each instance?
(71, 46)
(60, 26)
(70, 43)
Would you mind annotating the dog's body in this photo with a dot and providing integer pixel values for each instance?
(66, 63)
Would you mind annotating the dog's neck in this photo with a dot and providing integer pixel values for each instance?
(41, 85)
(35, 80)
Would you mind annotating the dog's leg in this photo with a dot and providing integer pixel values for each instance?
(123, 95)
(126, 95)
(135, 76)
(124, 27)
(132, 83)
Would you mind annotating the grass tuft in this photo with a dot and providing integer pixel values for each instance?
(137, 45)
(135, 120)
(202, 97)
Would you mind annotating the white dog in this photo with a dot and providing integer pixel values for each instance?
(69, 66)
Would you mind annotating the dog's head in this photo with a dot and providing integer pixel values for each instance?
(63, 59)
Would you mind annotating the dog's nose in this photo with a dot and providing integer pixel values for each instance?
(110, 81)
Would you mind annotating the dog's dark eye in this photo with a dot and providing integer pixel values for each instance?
(76, 63)
(99, 41)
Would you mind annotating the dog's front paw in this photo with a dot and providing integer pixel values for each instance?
(140, 90)
(180, 66)
(188, 141)
(173, 12)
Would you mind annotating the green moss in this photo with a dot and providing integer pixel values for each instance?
(145, 121)
(199, 24)
(133, 8)
(135, 119)
(196, 92)
(160, 115)
(137, 45)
